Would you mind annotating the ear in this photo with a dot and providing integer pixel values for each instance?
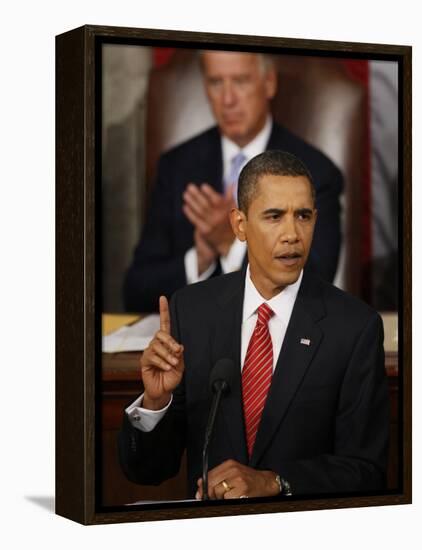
(315, 216)
(238, 222)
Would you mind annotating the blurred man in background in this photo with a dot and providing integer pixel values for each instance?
(187, 236)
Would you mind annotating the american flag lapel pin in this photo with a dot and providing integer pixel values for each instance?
(305, 341)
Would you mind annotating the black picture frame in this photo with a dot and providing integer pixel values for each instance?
(78, 264)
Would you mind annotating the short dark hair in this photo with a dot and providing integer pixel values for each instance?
(271, 163)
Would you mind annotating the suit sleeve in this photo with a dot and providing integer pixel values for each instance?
(359, 458)
(149, 458)
(157, 266)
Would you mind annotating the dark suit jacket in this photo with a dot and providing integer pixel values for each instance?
(325, 423)
(158, 262)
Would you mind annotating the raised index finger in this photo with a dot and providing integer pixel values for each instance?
(164, 315)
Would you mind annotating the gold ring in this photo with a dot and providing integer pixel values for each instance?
(225, 485)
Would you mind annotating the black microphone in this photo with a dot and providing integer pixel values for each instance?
(221, 382)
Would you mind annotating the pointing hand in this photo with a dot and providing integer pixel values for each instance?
(162, 364)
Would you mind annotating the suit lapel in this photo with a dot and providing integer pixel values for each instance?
(213, 164)
(226, 344)
(276, 140)
(293, 362)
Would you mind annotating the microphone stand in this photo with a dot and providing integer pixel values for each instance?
(219, 387)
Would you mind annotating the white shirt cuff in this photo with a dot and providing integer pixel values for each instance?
(234, 259)
(145, 419)
(191, 268)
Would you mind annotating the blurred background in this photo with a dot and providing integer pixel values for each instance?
(153, 99)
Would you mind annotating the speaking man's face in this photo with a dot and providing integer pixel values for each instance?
(239, 88)
(278, 228)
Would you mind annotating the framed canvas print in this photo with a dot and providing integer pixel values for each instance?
(233, 274)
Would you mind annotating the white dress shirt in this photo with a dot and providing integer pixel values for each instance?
(282, 305)
(234, 258)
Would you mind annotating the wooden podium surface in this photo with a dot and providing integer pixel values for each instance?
(121, 384)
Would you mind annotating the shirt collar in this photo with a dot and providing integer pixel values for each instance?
(253, 148)
(282, 304)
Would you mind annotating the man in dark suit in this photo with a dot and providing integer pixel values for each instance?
(308, 408)
(187, 236)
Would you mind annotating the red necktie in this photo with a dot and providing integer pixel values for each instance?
(256, 374)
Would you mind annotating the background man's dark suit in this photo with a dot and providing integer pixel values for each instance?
(158, 263)
(325, 423)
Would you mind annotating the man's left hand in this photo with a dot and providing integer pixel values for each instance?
(234, 480)
(209, 212)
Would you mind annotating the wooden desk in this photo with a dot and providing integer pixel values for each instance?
(121, 384)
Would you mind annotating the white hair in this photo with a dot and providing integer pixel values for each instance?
(266, 61)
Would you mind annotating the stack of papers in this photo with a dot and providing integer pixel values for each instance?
(134, 337)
